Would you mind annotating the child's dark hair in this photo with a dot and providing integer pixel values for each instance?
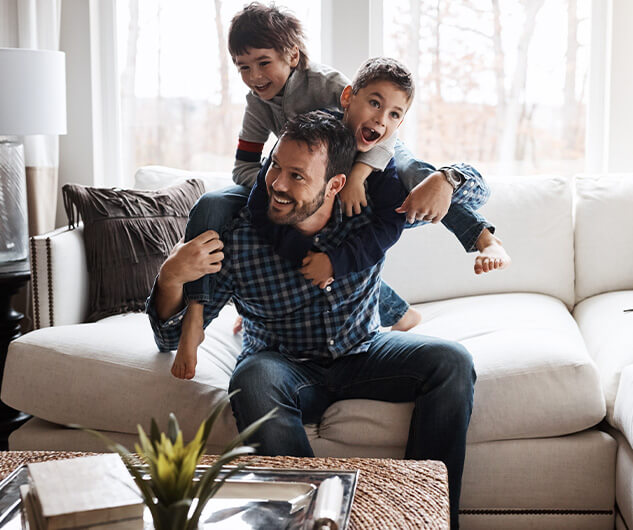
(320, 128)
(384, 69)
(262, 26)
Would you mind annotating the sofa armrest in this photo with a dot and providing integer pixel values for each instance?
(623, 409)
(59, 278)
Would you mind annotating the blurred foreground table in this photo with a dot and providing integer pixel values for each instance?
(394, 494)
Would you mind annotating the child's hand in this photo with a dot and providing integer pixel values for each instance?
(353, 197)
(353, 193)
(429, 200)
(316, 266)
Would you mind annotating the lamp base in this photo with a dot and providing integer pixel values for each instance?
(13, 211)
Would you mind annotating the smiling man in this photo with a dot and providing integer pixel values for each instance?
(304, 347)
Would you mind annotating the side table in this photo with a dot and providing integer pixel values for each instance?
(13, 276)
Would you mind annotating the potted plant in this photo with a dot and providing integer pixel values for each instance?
(168, 485)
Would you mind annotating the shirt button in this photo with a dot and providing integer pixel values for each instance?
(331, 342)
(316, 239)
(328, 288)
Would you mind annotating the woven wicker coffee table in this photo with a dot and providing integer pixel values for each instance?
(395, 494)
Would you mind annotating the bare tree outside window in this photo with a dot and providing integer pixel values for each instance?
(182, 100)
(500, 83)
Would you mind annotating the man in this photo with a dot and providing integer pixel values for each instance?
(305, 347)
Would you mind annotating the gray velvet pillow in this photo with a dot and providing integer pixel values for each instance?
(127, 236)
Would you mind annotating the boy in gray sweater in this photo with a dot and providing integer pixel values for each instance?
(268, 49)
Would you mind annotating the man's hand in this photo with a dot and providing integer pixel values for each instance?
(429, 200)
(353, 197)
(317, 267)
(192, 260)
(186, 262)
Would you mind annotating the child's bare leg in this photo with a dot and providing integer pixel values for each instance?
(192, 335)
(409, 320)
(492, 255)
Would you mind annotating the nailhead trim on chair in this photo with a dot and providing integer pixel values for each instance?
(35, 285)
(49, 269)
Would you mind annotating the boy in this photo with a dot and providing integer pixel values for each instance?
(267, 47)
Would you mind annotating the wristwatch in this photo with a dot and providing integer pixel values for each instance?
(453, 177)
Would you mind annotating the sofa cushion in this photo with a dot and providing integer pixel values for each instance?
(110, 376)
(533, 216)
(127, 236)
(608, 334)
(604, 240)
(535, 377)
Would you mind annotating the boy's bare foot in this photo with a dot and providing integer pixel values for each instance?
(491, 258)
(409, 320)
(237, 325)
(192, 335)
(492, 255)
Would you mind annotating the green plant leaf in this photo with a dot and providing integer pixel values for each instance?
(246, 433)
(146, 446)
(172, 428)
(208, 486)
(173, 516)
(154, 433)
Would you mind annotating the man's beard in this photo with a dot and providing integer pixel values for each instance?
(298, 213)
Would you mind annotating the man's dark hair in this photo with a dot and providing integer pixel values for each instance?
(318, 128)
(384, 69)
(262, 26)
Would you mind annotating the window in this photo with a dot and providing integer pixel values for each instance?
(500, 84)
(181, 97)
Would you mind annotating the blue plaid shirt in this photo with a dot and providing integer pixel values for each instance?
(283, 311)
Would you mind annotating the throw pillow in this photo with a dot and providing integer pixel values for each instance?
(127, 236)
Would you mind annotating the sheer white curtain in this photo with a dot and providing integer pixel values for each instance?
(35, 24)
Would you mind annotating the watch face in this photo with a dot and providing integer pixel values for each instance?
(452, 178)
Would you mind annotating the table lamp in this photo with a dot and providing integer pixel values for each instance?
(32, 101)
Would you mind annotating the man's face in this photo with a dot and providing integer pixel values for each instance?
(374, 112)
(265, 71)
(295, 181)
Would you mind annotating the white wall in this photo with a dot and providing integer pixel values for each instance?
(351, 32)
(619, 103)
(90, 153)
(76, 158)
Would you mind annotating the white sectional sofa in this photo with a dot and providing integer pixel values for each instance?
(552, 347)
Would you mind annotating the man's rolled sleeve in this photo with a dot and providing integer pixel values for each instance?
(474, 191)
(166, 332)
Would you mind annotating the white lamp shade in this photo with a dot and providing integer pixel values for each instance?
(32, 92)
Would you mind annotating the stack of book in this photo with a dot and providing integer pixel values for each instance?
(87, 492)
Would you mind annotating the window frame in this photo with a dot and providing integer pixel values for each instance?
(344, 46)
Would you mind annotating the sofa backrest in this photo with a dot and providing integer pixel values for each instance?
(533, 217)
(604, 234)
(154, 177)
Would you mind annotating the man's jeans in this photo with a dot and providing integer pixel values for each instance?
(437, 375)
(215, 210)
